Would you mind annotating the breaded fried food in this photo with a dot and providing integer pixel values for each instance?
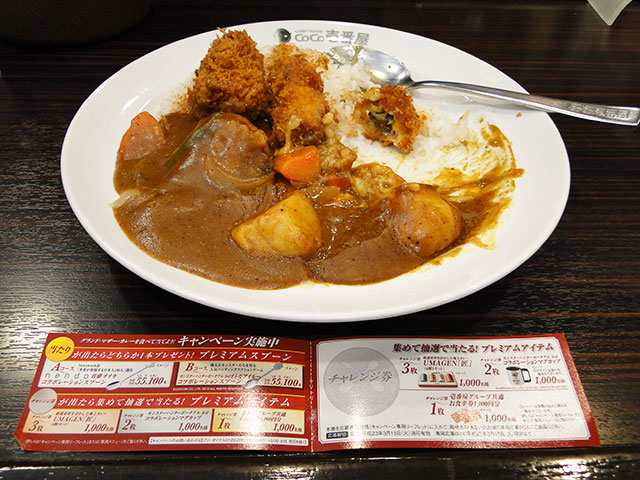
(297, 115)
(231, 78)
(288, 64)
(299, 106)
(388, 115)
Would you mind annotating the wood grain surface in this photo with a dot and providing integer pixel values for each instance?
(584, 282)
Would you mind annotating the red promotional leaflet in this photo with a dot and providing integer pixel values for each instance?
(205, 392)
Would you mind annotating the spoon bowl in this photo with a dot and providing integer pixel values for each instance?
(386, 70)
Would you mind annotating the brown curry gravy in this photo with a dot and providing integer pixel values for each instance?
(181, 217)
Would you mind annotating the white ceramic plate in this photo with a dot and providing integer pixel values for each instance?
(89, 153)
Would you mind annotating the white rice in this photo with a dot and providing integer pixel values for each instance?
(442, 142)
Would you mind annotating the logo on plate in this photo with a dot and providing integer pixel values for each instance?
(283, 35)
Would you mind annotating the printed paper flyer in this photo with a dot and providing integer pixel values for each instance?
(128, 392)
(439, 392)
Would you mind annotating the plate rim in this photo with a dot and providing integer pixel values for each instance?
(306, 316)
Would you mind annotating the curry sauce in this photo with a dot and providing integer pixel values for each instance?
(249, 184)
(183, 215)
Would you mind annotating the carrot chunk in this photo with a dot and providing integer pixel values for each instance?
(143, 136)
(300, 166)
(335, 180)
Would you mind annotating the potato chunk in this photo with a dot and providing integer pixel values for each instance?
(422, 220)
(291, 228)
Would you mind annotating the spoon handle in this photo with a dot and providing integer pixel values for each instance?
(588, 111)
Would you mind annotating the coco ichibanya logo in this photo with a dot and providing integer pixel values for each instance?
(317, 36)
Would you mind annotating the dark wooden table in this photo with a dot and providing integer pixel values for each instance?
(583, 282)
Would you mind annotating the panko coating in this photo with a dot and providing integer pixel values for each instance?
(298, 112)
(231, 78)
(388, 115)
(299, 105)
(288, 64)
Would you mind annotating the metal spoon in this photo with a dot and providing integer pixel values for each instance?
(386, 70)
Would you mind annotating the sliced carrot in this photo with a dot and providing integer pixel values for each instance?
(299, 166)
(335, 180)
(143, 136)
